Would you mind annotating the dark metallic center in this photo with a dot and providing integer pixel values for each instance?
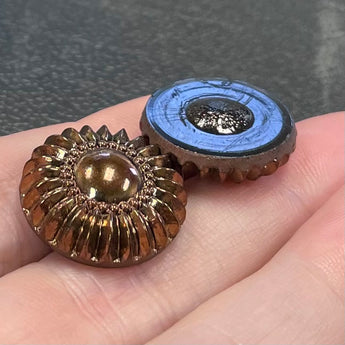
(107, 175)
(219, 116)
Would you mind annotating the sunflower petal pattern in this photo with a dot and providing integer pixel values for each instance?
(121, 136)
(84, 226)
(104, 133)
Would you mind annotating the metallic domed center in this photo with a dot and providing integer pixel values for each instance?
(219, 116)
(107, 175)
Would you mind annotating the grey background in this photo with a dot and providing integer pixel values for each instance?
(63, 59)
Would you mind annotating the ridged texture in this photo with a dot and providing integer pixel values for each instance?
(235, 169)
(238, 175)
(96, 232)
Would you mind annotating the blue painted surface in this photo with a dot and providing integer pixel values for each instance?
(166, 112)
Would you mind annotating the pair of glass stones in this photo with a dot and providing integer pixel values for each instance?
(104, 200)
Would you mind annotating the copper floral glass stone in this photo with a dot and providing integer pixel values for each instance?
(220, 128)
(102, 199)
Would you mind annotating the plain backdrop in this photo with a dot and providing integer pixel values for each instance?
(62, 60)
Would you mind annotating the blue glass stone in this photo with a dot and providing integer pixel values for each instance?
(219, 117)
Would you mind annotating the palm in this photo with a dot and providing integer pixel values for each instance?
(254, 263)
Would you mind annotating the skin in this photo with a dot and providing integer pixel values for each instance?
(255, 263)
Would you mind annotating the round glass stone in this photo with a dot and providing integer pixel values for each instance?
(219, 116)
(107, 175)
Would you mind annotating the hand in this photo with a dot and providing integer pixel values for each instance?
(255, 263)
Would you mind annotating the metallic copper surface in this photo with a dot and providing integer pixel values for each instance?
(102, 199)
(107, 175)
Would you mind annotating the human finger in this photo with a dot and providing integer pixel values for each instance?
(253, 222)
(297, 298)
